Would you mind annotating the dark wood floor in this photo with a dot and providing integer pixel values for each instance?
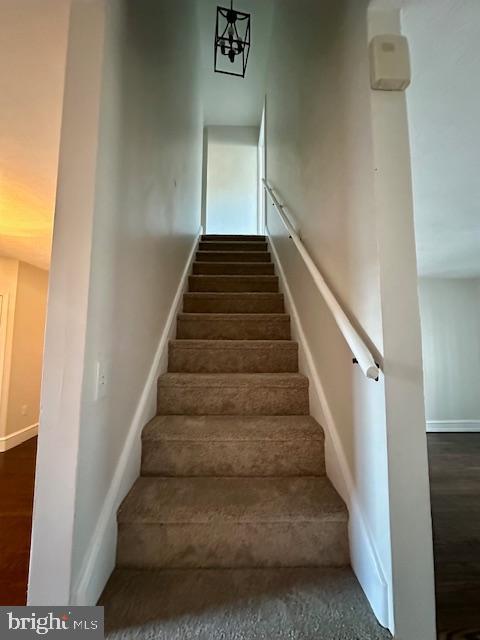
(17, 470)
(455, 491)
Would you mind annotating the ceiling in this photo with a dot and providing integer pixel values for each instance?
(444, 119)
(34, 35)
(228, 100)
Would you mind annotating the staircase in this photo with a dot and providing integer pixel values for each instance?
(233, 471)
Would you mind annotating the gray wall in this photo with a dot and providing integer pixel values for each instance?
(450, 314)
(147, 213)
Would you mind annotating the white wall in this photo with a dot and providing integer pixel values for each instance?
(450, 312)
(145, 216)
(410, 515)
(443, 108)
(232, 175)
(57, 453)
(329, 141)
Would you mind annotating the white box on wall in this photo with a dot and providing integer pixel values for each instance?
(389, 63)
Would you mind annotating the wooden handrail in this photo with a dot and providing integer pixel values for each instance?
(361, 353)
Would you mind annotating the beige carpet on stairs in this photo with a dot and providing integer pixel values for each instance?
(239, 604)
(233, 531)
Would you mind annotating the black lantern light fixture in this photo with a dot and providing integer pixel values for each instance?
(232, 41)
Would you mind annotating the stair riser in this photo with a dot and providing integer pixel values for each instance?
(259, 360)
(180, 458)
(273, 303)
(233, 268)
(192, 545)
(232, 246)
(234, 238)
(234, 284)
(233, 329)
(182, 400)
(230, 256)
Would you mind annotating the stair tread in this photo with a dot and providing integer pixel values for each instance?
(257, 247)
(185, 343)
(234, 316)
(233, 302)
(205, 500)
(254, 255)
(239, 276)
(252, 604)
(247, 243)
(236, 380)
(233, 268)
(210, 325)
(232, 429)
(223, 295)
(228, 264)
(231, 238)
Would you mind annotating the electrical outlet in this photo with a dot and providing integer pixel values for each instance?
(24, 410)
(101, 380)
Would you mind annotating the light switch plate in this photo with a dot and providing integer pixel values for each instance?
(101, 379)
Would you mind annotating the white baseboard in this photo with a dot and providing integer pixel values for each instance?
(453, 426)
(364, 557)
(100, 560)
(16, 438)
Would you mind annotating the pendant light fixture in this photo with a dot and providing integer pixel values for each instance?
(232, 41)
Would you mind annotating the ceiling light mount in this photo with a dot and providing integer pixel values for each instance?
(232, 41)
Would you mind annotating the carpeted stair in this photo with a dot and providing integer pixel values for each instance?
(233, 470)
